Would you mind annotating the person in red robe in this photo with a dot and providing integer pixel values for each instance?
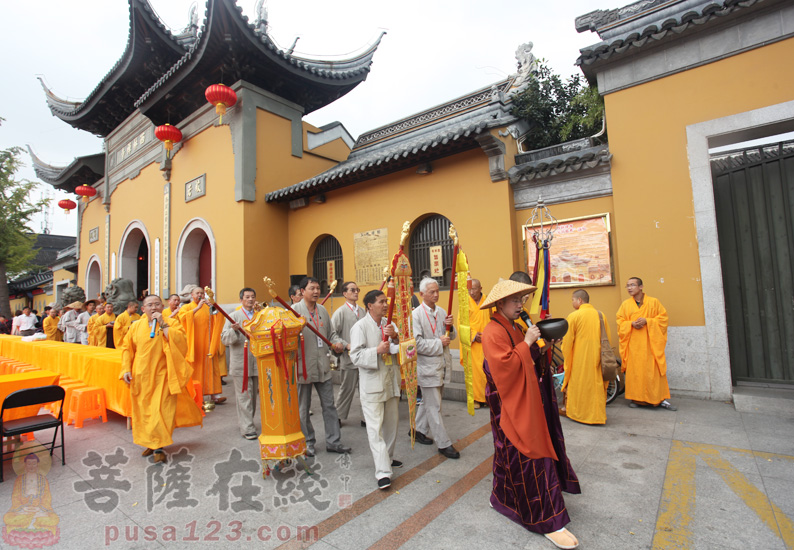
(530, 466)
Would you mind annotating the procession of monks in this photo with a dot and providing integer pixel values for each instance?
(168, 354)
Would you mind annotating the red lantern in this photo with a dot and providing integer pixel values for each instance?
(67, 204)
(222, 97)
(169, 135)
(85, 191)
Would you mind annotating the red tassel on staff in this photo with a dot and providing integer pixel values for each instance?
(245, 366)
(303, 359)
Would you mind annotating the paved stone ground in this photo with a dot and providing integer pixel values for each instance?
(704, 477)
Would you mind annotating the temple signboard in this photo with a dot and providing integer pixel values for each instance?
(371, 255)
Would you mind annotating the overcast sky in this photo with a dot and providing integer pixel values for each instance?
(434, 51)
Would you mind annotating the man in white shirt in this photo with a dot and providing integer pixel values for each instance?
(27, 322)
(373, 349)
(342, 321)
(433, 358)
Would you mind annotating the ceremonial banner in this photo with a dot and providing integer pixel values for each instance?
(464, 327)
(582, 253)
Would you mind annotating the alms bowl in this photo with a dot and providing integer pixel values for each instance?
(552, 329)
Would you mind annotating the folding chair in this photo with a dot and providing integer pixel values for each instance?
(26, 398)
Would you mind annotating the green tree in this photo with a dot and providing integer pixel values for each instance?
(558, 110)
(16, 240)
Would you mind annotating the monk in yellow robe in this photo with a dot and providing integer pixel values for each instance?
(203, 329)
(50, 326)
(642, 327)
(160, 381)
(477, 322)
(584, 386)
(101, 324)
(31, 503)
(123, 322)
(173, 306)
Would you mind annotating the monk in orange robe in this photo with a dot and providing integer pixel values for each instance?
(478, 319)
(153, 364)
(100, 327)
(123, 323)
(203, 329)
(530, 465)
(584, 386)
(50, 326)
(642, 327)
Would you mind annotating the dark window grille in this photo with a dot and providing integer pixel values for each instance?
(328, 249)
(432, 231)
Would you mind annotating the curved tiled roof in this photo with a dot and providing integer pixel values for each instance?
(151, 48)
(646, 22)
(409, 142)
(86, 170)
(570, 161)
(229, 48)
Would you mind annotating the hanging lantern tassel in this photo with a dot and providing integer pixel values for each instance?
(222, 97)
(168, 135)
(67, 204)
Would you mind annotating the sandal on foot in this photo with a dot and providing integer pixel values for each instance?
(563, 539)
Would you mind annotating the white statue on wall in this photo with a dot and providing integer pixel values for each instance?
(527, 64)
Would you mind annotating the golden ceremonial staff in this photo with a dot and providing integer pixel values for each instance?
(330, 291)
(453, 234)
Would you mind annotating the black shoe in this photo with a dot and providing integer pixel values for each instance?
(396, 464)
(363, 424)
(384, 483)
(341, 449)
(223, 381)
(449, 452)
(310, 452)
(422, 438)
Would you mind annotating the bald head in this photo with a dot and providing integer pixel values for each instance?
(521, 277)
(476, 290)
(579, 297)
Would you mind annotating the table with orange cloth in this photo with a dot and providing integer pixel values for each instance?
(98, 367)
(10, 383)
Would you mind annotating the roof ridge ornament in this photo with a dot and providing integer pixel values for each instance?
(527, 65)
(261, 16)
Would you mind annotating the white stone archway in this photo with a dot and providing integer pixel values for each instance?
(188, 253)
(134, 234)
(93, 277)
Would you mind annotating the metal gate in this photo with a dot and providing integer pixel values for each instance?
(754, 199)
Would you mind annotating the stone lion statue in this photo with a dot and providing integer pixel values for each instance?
(184, 295)
(120, 292)
(71, 294)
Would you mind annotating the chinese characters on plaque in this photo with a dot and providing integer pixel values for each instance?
(330, 267)
(436, 262)
(196, 188)
(372, 255)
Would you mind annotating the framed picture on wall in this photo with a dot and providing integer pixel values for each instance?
(580, 252)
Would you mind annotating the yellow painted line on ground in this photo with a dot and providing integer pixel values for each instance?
(678, 499)
(679, 494)
(766, 510)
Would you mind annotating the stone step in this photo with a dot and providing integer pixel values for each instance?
(764, 400)
(454, 391)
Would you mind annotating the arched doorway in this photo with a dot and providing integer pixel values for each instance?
(328, 256)
(93, 278)
(431, 233)
(195, 255)
(134, 256)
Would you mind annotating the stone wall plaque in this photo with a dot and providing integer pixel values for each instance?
(371, 255)
(196, 188)
(93, 235)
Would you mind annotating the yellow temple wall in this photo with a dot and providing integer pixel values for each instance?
(459, 188)
(652, 189)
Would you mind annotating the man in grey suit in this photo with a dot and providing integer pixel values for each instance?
(373, 349)
(232, 337)
(433, 359)
(318, 370)
(342, 321)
